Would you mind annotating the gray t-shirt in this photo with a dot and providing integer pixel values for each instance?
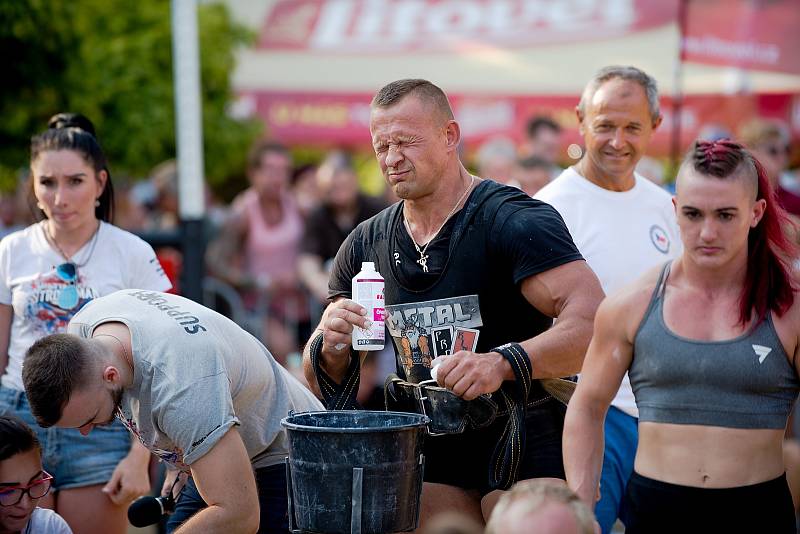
(196, 375)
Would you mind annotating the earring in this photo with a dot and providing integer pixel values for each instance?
(39, 205)
(96, 203)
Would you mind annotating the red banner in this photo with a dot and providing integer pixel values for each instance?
(757, 34)
(343, 119)
(379, 26)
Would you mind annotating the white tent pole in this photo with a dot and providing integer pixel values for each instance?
(189, 142)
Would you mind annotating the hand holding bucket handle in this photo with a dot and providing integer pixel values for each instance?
(335, 395)
(336, 365)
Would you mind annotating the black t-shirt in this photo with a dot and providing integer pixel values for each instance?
(471, 297)
(409, 271)
(323, 236)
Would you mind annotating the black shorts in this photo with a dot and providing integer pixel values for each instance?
(656, 507)
(463, 459)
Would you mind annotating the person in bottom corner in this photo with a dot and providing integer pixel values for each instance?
(23, 482)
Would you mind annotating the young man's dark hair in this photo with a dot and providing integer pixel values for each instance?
(55, 366)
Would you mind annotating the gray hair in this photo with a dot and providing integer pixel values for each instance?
(429, 93)
(629, 73)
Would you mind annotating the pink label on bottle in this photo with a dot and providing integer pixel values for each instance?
(379, 314)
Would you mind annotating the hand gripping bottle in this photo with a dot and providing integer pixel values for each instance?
(368, 292)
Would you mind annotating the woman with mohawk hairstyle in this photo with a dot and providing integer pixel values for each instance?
(710, 342)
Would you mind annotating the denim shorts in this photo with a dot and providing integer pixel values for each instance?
(75, 461)
(463, 459)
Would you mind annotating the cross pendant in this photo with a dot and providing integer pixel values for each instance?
(423, 261)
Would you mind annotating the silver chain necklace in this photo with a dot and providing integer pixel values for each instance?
(52, 240)
(423, 258)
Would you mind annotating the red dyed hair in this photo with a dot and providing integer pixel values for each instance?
(768, 284)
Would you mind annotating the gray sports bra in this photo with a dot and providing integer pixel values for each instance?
(746, 382)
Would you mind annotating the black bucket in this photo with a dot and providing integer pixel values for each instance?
(354, 471)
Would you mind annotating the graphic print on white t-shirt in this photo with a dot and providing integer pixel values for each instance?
(660, 239)
(42, 307)
(45, 299)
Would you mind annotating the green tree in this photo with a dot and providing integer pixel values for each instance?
(112, 61)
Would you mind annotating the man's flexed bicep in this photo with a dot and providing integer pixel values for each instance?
(570, 293)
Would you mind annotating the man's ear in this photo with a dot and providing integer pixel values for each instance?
(452, 134)
(111, 374)
(658, 122)
(579, 116)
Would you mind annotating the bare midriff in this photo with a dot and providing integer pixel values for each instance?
(708, 456)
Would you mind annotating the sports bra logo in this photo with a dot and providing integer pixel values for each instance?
(762, 352)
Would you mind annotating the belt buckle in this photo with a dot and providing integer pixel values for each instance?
(421, 402)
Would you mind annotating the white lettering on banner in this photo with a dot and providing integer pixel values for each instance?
(455, 17)
(711, 46)
(378, 25)
(332, 23)
(369, 23)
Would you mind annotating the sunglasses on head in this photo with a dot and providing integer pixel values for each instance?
(11, 495)
(68, 295)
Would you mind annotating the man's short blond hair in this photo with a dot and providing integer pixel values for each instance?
(529, 496)
(430, 94)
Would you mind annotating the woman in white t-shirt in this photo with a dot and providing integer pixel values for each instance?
(48, 271)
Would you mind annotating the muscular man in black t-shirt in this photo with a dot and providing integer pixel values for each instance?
(471, 264)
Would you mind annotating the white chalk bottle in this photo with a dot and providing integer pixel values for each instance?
(368, 292)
